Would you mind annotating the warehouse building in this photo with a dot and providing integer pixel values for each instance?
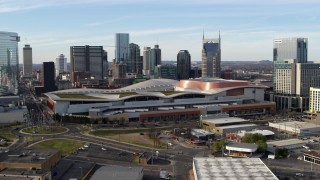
(223, 125)
(285, 144)
(205, 168)
(297, 127)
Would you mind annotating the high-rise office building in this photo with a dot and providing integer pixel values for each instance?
(166, 71)
(105, 65)
(27, 60)
(134, 62)
(211, 57)
(9, 62)
(314, 102)
(48, 77)
(290, 48)
(61, 64)
(183, 64)
(155, 58)
(146, 61)
(292, 74)
(122, 47)
(291, 83)
(86, 59)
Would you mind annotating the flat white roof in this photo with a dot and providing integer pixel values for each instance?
(286, 142)
(241, 147)
(297, 124)
(223, 120)
(200, 132)
(231, 169)
(237, 126)
(256, 131)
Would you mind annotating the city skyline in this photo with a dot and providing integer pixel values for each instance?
(53, 26)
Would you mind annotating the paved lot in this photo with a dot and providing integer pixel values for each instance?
(95, 151)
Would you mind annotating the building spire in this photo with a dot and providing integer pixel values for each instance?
(203, 34)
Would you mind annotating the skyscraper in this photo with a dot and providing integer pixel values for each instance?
(87, 59)
(155, 58)
(292, 74)
(48, 77)
(146, 61)
(134, 62)
(290, 48)
(9, 62)
(105, 64)
(183, 64)
(211, 57)
(122, 47)
(27, 60)
(61, 64)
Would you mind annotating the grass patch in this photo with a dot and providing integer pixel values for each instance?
(5, 133)
(136, 160)
(65, 146)
(76, 96)
(127, 94)
(125, 131)
(168, 93)
(44, 130)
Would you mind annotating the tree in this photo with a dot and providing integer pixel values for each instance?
(262, 146)
(256, 138)
(218, 146)
(281, 153)
(253, 138)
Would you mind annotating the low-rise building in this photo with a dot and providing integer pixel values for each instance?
(118, 172)
(285, 144)
(241, 149)
(205, 168)
(238, 135)
(25, 174)
(39, 159)
(223, 125)
(312, 157)
(296, 127)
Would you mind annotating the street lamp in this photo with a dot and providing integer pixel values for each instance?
(81, 172)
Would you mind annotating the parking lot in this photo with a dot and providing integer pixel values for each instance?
(104, 153)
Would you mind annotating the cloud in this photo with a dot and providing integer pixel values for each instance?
(99, 23)
(23, 5)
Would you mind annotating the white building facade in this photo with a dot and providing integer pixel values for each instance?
(61, 64)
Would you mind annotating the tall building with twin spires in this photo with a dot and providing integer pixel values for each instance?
(211, 57)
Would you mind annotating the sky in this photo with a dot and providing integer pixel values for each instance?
(247, 27)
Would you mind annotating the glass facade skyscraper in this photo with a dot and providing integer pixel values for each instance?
(290, 48)
(122, 47)
(134, 63)
(211, 58)
(9, 62)
(183, 64)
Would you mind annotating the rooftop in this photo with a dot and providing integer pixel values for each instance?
(200, 132)
(224, 120)
(286, 142)
(231, 168)
(242, 147)
(117, 172)
(256, 131)
(298, 124)
(238, 126)
(29, 156)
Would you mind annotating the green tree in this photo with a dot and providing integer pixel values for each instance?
(218, 146)
(281, 153)
(262, 146)
(256, 138)
(253, 138)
